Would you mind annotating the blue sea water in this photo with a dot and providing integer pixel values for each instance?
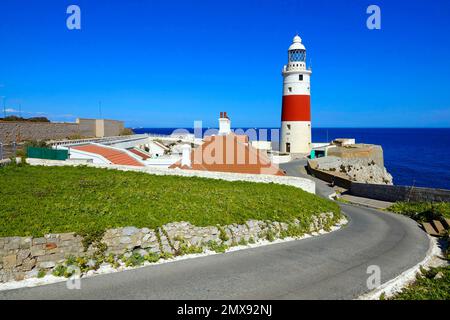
(414, 156)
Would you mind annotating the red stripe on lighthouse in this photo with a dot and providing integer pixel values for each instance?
(296, 108)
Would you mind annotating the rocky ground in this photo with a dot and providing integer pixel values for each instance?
(359, 170)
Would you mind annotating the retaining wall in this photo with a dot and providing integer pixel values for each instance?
(24, 257)
(399, 193)
(22, 131)
(384, 192)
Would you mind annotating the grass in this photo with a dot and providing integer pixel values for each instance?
(427, 287)
(422, 211)
(35, 200)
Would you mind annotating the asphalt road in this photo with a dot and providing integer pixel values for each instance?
(331, 266)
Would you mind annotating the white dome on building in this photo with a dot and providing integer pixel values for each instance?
(297, 44)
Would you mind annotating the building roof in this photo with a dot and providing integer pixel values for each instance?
(297, 44)
(115, 156)
(230, 153)
(139, 153)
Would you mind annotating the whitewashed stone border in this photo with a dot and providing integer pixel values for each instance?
(301, 183)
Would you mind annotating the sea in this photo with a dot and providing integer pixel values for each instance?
(414, 156)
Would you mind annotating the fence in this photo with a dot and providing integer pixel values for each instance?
(45, 153)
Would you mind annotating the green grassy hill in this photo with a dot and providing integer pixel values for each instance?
(35, 200)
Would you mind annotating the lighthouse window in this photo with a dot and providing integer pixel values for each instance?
(300, 77)
(297, 55)
(290, 89)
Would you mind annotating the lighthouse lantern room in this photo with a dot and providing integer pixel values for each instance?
(296, 111)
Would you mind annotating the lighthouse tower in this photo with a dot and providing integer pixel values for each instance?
(296, 113)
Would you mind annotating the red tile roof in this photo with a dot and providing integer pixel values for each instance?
(113, 155)
(230, 153)
(139, 153)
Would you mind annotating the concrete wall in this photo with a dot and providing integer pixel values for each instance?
(100, 127)
(358, 151)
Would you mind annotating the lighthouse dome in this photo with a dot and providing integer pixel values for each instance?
(297, 44)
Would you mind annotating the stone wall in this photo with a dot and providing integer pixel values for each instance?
(22, 131)
(24, 257)
(399, 193)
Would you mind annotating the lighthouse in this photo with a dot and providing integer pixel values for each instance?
(296, 110)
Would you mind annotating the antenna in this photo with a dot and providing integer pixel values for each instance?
(4, 106)
(100, 109)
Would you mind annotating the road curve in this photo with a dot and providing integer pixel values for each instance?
(330, 266)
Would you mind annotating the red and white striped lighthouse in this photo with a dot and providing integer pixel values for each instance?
(296, 110)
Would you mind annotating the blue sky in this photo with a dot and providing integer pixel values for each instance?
(168, 63)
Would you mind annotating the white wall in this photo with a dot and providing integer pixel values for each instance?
(301, 183)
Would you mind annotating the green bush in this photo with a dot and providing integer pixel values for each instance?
(428, 286)
(422, 211)
(218, 248)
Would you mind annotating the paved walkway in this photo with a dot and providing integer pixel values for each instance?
(372, 203)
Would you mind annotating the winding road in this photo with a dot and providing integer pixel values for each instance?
(330, 266)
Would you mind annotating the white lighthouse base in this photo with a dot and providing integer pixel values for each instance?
(295, 137)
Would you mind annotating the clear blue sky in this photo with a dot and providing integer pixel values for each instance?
(168, 63)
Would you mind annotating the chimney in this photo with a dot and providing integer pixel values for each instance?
(224, 124)
(186, 155)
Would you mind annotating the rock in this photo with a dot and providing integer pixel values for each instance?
(39, 241)
(129, 231)
(145, 230)
(31, 274)
(9, 262)
(47, 264)
(19, 276)
(355, 169)
(13, 243)
(37, 251)
(439, 275)
(125, 240)
(67, 236)
(28, 264)
(22, 255)
(25, 243)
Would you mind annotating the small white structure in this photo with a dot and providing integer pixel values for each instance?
(186, 156)
(224, 124)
